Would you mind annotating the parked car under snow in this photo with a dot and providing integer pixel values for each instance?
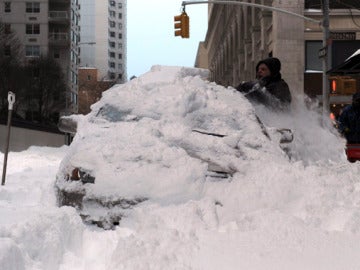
(161, 136)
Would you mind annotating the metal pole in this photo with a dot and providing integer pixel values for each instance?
(11, 100)
(325, 60)
(184, 3)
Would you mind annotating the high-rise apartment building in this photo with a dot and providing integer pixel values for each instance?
(103, 38)
(47, 28)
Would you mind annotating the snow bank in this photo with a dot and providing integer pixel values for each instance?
(274, 212)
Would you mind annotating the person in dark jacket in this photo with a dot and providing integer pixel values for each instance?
(268, 88)
(349, 120)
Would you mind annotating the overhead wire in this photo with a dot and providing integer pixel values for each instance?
(351, 8)
(347, 5)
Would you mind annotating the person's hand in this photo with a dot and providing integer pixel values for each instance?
(245, 87)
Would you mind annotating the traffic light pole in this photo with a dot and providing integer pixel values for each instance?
(184, 3)
(326, 41)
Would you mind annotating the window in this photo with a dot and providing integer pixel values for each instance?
(7, 7)
(32, 7)
(112, 13)
(89, 77)
(120, 45)
(7, 29)
(73, 98)
(74, 37)
(120, 66)
(112, 24)
(112, 76)
(312, 61)
(7, 50)
(112, 3)
(112, 34)
(56, 54)
(112, 44)
(33, 29)
(120, 15)
(112, 64)
(120, 25)
(32, 50)
(120, 35)
(72, 57)
(120, 56)
(119, 5)
(343, 49)
(73, 77)
(112, 54)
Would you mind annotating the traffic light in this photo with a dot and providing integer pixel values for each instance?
(182, 25)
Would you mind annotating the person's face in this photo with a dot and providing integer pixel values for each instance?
(263, 71)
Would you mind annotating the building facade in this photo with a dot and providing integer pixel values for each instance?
(103, 38)
(90, 88)
(47, 28)
(239, 36)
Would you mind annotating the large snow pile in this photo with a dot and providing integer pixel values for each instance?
(274, 212)
(153, 128)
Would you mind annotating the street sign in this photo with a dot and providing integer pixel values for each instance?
(343, 35)
(322, 52)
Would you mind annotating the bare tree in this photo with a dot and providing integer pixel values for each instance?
(47, 90)
(10, 64)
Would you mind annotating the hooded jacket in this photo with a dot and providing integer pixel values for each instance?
(271, 90)
(349, 121)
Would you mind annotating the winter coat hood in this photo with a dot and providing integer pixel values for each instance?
(273, 64)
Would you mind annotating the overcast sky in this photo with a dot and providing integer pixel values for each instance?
(150, 34)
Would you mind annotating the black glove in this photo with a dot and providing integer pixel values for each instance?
(245, 86)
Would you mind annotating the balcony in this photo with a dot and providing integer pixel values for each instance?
(59, 1)
(59, 17)
(59, 39)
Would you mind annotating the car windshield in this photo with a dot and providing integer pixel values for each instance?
(114, 114)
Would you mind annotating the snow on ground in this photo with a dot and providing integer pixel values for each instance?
(275, 212)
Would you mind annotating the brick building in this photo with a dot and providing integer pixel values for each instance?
(90, 88)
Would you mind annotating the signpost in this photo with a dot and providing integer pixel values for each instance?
(325, 62)
(11, 101)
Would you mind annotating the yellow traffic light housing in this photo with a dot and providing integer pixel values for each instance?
(181, 25)
(342, 85)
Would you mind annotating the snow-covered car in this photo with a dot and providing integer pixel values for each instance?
(140, 138)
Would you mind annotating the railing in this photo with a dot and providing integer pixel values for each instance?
(59, 1)
(58, 15)
(56, 37)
